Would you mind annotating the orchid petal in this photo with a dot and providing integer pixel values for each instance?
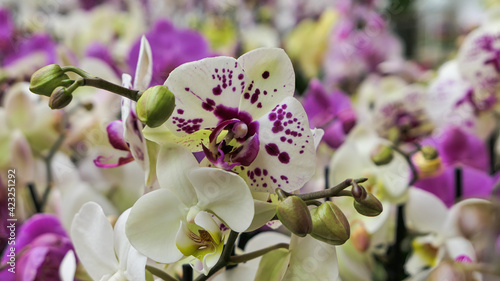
(395, 176)
(152, 233)
(19, 108)
(162, 135)
(144, 70)
(450, 225)
(264, 212)
(206, 220)
(225, 194)
(211, 85)
(173, 163)
(424, 211)
(92, 237)
(115, 135)
(68, 267)
(348, 162)
(312, 260)
(132, 263)
(270, 79)
(273, 265)
(287, 155)
(133, 132)
(100, 161)
(460, 246)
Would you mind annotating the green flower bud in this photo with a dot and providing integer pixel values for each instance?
(155, 106)
(382, 154)
(370, 206)
(429, 152)
(60, 98)
(45, 80)
(295, 215)
(329, 224)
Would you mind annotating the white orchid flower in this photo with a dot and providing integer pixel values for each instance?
(105, 253)
(426, 213)
(387, 182)
(191, 213)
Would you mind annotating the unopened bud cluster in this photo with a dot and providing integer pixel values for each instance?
(325, 222)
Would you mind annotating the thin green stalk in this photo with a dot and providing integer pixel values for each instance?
(256, 254)
(77, 70)
(106, 85)
(330, 192)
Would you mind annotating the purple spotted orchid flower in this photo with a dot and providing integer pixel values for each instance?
(461, 150)
(41, 245)
(170, 48)
(267, 133)
(331, 111)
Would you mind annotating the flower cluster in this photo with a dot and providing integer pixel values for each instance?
(278, 140)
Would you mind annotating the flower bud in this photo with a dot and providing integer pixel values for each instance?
(60, 98)
(45, 80)
(329, 224)
(155, 106)
(295, 215)
(429, 152)
(370, 206)
(382, 154)
(427, 161)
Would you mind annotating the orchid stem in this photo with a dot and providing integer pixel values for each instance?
(77, 70)
(108, 86)
(159, 273)
(224, 258)
(330, 192)
(256, 254)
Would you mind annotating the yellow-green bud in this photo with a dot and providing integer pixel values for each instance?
(295, 215)
(329, 224)
(155, 106)
(429, 152)
(382, 154)
(45, 80)
(60, 98)
(370, 206)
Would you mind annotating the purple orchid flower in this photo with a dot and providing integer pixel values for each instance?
(41, 244)
(170, 48)
(6, 32)
(332, 112)
(458, 149)
(41, 43)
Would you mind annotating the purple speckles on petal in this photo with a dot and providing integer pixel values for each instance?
(272, 116)
(257, 172)
(217, 90)
(264, 172)
(240, 76)
(284, 158)
(273, 150)
(180, 111)
(283, 139)
(254, 98)
(259, 105)
(246, 95)
(265, 75)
